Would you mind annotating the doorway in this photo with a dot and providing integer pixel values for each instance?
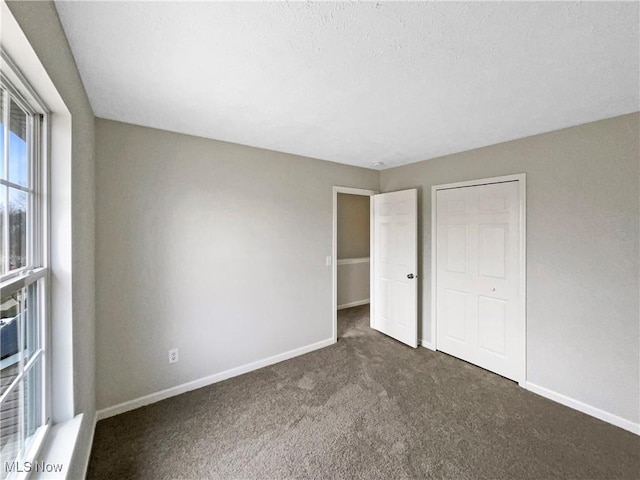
(478, 273)
(352, 244)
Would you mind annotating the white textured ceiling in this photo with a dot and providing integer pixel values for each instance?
(357, 83)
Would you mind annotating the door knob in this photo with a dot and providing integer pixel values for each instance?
(410, 276)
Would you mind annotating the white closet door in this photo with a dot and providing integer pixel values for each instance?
(477, 290)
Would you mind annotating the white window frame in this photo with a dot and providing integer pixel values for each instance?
(37, 267)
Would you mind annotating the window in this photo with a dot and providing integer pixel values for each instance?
(23, 274)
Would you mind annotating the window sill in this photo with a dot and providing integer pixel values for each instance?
(57, 452)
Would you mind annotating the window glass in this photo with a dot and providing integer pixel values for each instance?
(18, 226)
(2, 164)
(11, 316)
(22, 302)
(10, 438)
(31, 319)
(10, 326)
(3, 253)
(32, 401)
(18, 158)
(21, 410)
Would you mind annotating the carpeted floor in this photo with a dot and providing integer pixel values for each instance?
(365, 408)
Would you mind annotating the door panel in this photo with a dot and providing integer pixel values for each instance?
(394, 311)
(477, 276)
(456, 248)
(492, 324)
(456, 313)
(492, 250)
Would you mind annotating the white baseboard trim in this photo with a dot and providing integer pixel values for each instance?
(426, 344)
(583, 407)
(353, 304)
(211, 379)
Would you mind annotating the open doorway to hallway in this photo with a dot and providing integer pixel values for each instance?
(351, 251)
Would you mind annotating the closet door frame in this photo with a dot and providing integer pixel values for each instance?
(522, 281)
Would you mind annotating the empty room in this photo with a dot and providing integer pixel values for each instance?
(287, 240)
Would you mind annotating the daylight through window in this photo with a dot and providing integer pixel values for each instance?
(23, 379)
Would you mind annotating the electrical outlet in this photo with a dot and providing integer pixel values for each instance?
(173, 355)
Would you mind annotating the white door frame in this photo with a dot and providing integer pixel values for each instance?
(334, 254)
(522, 188)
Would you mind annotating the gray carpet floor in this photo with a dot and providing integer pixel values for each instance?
(367, 407)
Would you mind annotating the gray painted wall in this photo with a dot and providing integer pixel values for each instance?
(39, 21)
(213, 248)
(353, 283)
(582, 253)
(353, 225)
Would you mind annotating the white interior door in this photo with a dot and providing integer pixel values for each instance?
(394, 310)
(478, 315)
